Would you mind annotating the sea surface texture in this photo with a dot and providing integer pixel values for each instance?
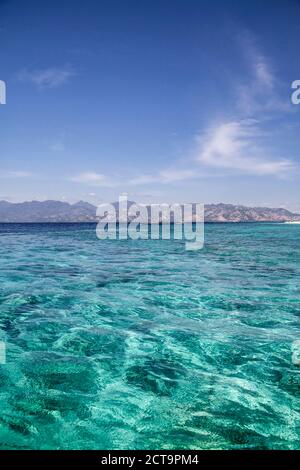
(143, 345)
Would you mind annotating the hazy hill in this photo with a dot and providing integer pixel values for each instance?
(57, 211)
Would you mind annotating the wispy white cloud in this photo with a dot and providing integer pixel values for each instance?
(259, 91)
(165, 176)
(58, 146)
(178, 174)
(241, 144)
(92, 178)
(236, 145)
(264, 76)
(169, 175)
(52, 77)
(15, 174)
(88, 177)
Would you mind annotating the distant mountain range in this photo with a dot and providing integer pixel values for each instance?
(57, 211)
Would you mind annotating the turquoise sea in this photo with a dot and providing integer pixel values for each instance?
(143, 345)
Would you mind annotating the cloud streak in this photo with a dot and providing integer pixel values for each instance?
(47, 78)
(235, 145)
(260, 92)
(238, 145)
(6, 174)
(91, 178)
(170, 175)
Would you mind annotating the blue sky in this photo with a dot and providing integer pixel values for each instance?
(169, 101)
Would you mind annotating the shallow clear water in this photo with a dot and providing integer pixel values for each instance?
(141, 344)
